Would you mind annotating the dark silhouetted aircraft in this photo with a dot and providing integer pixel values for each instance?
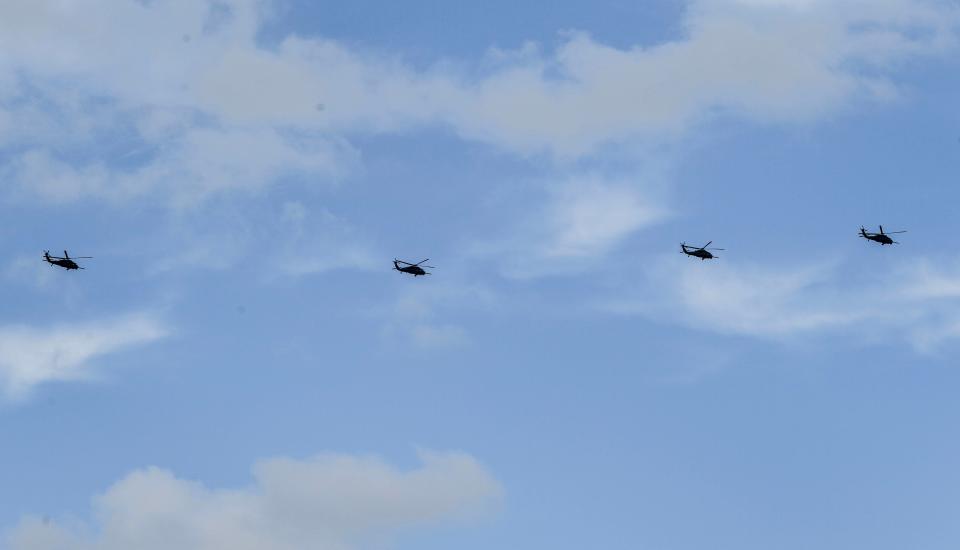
(413, 269)
(702, 252)
(65, 262)
(880, 237)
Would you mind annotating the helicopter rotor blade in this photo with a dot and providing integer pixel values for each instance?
(706, 245)
(715, 249)
(421, 261)
(894, 232)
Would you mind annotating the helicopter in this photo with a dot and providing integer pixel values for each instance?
(65, 262)
(702, 252)
(413, 269)
(880, 237)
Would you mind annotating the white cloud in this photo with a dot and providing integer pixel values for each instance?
(752, 300)
(191, 164)
(31, 356)
(216, 110)
(98, 120)
(766, 61)
(587, 218)
(785, 302)
(935, 292)
(770, 63)
(329, 502)
(925, 280)
(583, 218)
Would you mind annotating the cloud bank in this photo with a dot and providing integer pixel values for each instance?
(183, 100)
(329, 502)
(122, 98)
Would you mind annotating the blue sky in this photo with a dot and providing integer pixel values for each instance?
(238, 366)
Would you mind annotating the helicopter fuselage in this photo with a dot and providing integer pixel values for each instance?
(698, 253)
(66, 264)
(878, 237)
(414, 270)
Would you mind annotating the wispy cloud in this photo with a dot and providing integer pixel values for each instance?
(576, 221)
(587, 218)
(330, 501)
(420, 313)
(30, 356)
(190, 165)
(320, 241)
(753, 299)
(291, 239)
(785, 302)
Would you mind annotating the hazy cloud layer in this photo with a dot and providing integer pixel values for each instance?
(329, 502)
(420, 315)
(194, 104)
(216, 110)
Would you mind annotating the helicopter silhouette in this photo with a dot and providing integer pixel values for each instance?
(701, 252)
(880, 237)
(65, 262)
(413, 269)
